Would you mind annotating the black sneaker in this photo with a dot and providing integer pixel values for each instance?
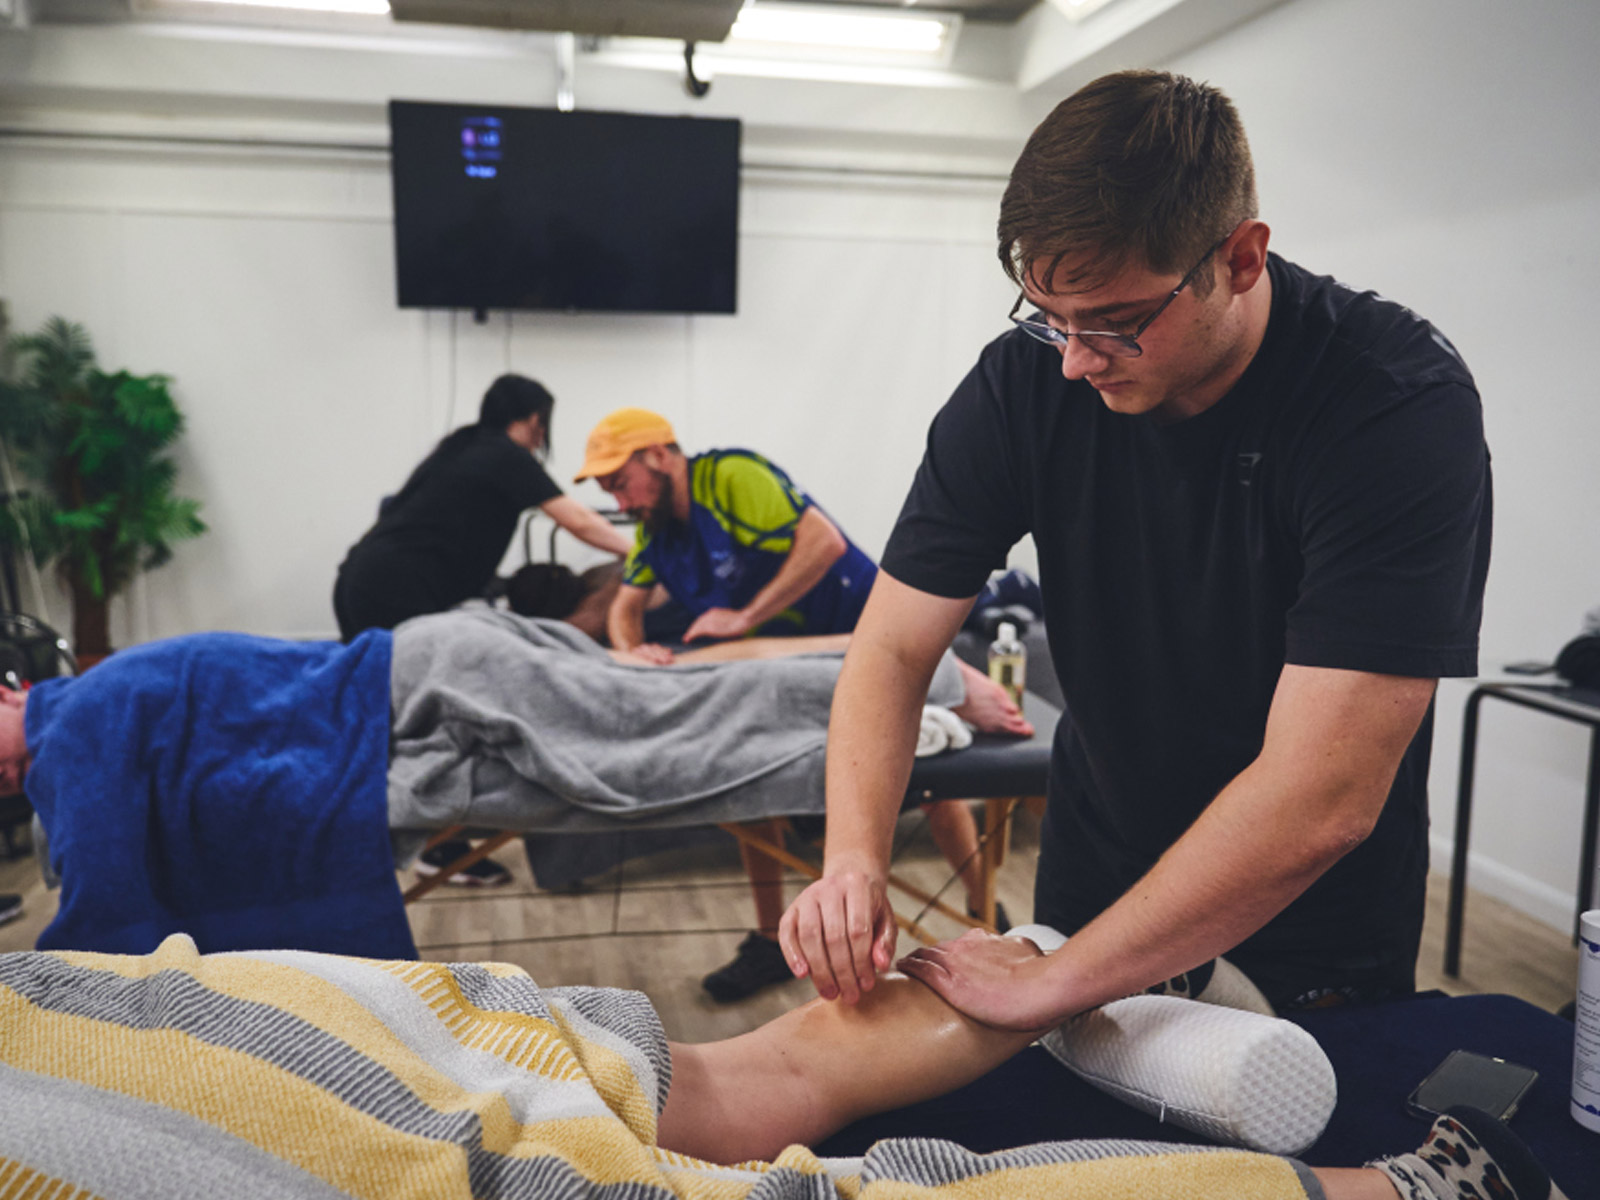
(759, 964)
(1002, 923)
(10, 907)
(483, 873)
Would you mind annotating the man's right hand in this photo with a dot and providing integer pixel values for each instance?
(841, 932)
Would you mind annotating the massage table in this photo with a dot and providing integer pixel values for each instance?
(1379, 1053)
(1002, 772)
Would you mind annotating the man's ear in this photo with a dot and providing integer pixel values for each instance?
(1244, 258)
(12, 699)
(656, 458)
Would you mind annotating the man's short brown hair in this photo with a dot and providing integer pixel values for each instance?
(1140, 167)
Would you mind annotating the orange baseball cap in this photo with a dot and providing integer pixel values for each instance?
(618, 435)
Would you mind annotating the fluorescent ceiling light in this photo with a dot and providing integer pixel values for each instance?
(375, 8)
(836, 30)
(1077, 10)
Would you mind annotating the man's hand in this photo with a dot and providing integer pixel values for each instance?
(719, 623)
(646, 654)
(999, 981)
(841, 932)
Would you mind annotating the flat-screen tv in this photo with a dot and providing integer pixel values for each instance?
(532, 208)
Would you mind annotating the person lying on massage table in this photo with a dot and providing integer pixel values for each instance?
(243, 789)
(372, 1078)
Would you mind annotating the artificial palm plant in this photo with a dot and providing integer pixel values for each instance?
(96, 495)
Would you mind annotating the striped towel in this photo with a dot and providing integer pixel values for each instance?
(293, 1074)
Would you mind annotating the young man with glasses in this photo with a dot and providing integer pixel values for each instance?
(1261, 503)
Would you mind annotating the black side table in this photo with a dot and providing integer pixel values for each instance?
(1559, 700)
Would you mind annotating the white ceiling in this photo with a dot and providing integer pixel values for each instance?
(1031, 44)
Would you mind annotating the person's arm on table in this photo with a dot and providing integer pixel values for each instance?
(840, 931)
(818, 544)
(625, 625)
(1334, 740)
(583, 523)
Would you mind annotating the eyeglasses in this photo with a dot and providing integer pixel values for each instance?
(1113, 345)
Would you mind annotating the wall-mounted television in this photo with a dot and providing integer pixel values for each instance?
(498, 207)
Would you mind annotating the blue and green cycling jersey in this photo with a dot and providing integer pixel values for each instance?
(743, 511)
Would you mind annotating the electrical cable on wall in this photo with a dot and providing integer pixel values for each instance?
(692, 83)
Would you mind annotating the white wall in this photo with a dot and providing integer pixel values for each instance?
(261, 279)
(1442, 152)
(1436, 150)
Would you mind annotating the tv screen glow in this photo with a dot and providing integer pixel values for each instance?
(532, 208)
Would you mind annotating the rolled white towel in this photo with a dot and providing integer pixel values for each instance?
(941, 730)
(1233, 1075)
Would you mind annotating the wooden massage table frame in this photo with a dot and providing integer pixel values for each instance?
(1000, 772)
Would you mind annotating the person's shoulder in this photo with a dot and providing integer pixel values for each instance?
(1361, 334)
(717, 471)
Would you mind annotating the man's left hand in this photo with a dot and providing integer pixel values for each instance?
(999, 981)
(718, 623)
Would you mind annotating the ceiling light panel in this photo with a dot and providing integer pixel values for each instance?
(837, 32)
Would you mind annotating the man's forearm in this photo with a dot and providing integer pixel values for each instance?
(625, 621)
(1237, 867)
(1315, 792)
(818, 544)
(872, 736)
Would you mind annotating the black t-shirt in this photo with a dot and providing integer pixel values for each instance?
(1332, 510)
(447, 529)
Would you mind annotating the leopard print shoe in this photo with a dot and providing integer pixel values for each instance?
(1469, 1155)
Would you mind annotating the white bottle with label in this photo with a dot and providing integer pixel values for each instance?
(1586, 1029)
(1008, 662)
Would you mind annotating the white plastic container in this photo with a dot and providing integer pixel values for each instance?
(1586, 1036)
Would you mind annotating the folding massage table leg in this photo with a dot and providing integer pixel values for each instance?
(992, 845)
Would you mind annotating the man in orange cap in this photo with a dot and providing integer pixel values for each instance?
(727, 533)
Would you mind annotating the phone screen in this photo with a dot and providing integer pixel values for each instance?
(1492, 1084)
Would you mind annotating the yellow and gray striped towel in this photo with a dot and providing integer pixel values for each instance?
(292, 1074)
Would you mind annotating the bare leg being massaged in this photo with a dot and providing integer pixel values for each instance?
(821, 1066)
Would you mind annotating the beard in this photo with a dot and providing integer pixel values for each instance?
(660, 513)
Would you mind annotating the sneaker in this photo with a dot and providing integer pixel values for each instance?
(10, 907)
(1002, 923)
(1468, 1153)
(483, 873)
(759, 964)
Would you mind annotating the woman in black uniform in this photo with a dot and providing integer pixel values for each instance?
(438, 541)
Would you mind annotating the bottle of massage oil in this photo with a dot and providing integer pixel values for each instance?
(1008, 661)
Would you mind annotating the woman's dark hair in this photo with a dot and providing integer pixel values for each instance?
(545, 590)
(516, 398)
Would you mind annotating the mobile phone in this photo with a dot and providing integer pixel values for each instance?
(1492, 1084)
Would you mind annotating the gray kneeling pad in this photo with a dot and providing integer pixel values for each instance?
(1236, 1076)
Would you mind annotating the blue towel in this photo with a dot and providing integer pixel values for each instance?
(229, 787)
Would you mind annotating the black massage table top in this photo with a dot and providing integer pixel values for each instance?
(1379, 1053)
(994, 766)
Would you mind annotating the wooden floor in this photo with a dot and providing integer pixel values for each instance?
(658, 924)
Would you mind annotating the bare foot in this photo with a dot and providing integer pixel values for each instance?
(988, 708)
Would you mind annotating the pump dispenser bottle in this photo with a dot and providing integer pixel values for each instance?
(1008, 662)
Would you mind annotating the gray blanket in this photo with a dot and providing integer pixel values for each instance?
(509, 723)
